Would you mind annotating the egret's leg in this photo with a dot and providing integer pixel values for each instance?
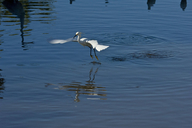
(95, 54)
(91, 52)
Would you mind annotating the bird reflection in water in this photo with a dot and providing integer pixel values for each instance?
(16, 8)
(183, 4)
(89, 88)
(150, 3)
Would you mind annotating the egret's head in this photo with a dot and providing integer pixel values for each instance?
(77, 33)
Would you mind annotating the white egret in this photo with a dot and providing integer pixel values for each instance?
(92, 44)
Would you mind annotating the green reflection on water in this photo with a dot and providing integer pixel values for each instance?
(14, 12)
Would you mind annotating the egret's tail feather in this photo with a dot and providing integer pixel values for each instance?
(101, 47)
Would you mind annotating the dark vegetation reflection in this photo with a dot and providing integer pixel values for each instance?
(24, 11)
(71, 1)
(2, 81)
(183, 4)
(89, 88)
(16, 8)
(150, 3)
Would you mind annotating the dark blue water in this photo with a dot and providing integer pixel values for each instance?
(142, 80)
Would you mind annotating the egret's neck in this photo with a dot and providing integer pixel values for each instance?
(78, 38)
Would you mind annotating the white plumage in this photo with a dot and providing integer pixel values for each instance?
(92, 44)
(60, 41)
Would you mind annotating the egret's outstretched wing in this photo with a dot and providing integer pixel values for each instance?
(97, 46)
(83, 39)
(60, 41)
(93, 43)
(101, 47)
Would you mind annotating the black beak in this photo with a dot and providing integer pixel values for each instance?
(74, 36)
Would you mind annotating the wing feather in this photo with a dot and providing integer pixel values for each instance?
(101, 47)
(93, 43)
(60, 41)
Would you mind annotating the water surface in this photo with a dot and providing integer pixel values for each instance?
(142, 80)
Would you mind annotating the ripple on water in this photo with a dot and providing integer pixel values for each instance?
(137, 46)
(131, 39)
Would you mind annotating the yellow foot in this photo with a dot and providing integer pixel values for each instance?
(96, 57)
(91, 56)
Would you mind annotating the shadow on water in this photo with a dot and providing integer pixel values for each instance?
(2, 87)
(16, 8)
(88, 88)
(153, 54)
